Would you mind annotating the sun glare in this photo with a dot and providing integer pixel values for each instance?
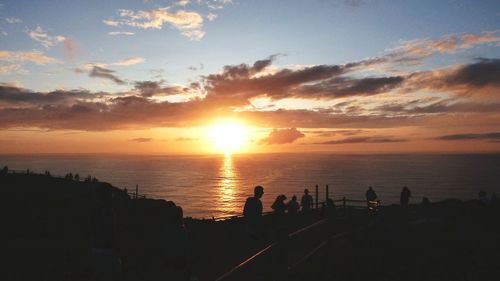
(228, 137)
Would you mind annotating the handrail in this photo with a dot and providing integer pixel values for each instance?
(295, 233)
(265, 249)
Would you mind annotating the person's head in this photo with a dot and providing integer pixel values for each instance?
(282, 197)
(294, 198)
(370, 188)
(306, 191)
(258, 191)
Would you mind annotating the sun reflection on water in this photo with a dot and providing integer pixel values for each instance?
(227, 186)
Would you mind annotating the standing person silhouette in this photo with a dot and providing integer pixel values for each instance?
(370, 194)
(371, 198)
(405, 197)
(252, 211)
(306, 201)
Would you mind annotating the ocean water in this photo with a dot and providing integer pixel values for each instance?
(207, 186)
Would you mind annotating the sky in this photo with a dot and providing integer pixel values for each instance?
(199, 76)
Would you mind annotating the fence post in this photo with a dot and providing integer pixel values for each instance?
(136, 191)
(316, 196)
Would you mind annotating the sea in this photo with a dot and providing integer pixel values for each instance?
(208, 186)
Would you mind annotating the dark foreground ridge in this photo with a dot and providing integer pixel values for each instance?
(47, 234)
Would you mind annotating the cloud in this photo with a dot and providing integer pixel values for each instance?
(336, 132)
(142, 140)
(112, 22)
(153, 88)
(114, 33)
(363, 101)
(189, 23)
(216, 4)
(13, 20)
(105, 73)
(185, 139)
(282, 136)
(15, 96)
(441, 106)
(9, 68)
(26, 56)
(494, 136)
(243, 82)
(447, 44)
(182, 2)
(478, 77)
(211, 16)
(129, 61)
(364, 140)
(44, 39)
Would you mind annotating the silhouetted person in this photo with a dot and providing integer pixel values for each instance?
(371, 198)
(107, 263)
(307, 201)
(483, 198)
(293, 205)
(370, 194)
(405, 197)
(252, 211)
(279, 205)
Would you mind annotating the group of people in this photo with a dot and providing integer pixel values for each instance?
(253, 205)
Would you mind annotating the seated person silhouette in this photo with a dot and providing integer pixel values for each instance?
(293, 205)
(279, 205)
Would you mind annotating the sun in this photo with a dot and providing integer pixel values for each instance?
(228, 136)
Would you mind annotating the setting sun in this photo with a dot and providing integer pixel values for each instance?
(228, 136)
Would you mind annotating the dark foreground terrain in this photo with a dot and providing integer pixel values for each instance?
(47, 234)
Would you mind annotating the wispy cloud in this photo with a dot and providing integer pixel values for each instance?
(114, 33)
(185, 139)
(9, 68)
(41, 36)
(376, 139)
(211, 16)
(446, 44)
(106, 74)
(99, 71)
(189, 23)
(142, 140)
(494, 136)
(13, 20)
(129, 61)
(26, 56)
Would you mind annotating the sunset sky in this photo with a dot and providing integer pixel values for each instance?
(198, 76)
